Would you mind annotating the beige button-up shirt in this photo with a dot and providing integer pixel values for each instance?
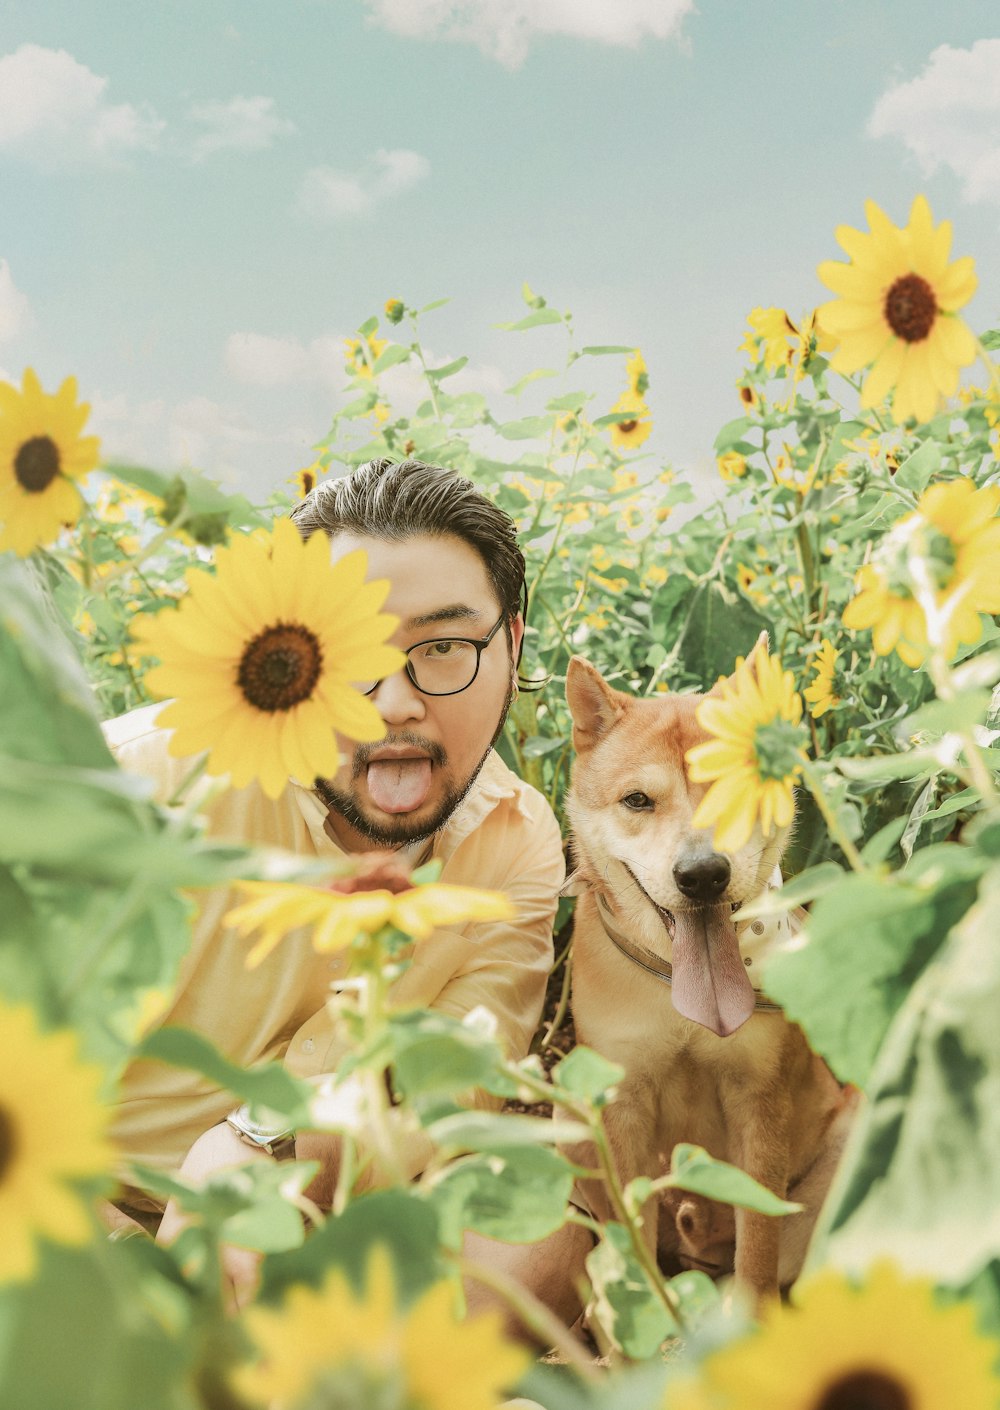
(502, 837)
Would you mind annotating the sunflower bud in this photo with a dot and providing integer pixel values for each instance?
(394, 310)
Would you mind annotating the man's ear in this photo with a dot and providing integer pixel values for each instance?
(758, 650)
(595, 707)
(516, 637)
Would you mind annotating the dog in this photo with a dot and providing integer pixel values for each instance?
(664, 983)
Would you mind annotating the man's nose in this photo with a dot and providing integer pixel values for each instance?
(397, 699)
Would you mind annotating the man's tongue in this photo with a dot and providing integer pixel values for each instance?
(710, 984)
(399, 785)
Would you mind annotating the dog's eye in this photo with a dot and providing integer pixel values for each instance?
(638, 802)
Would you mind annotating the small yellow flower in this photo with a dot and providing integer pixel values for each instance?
(630, 434)
(336, 919)
(663, 513)
(262, 658)
(755, 754)
(748, 395)
(42, 456)
(897, 310)
(600, 558)
(952, 543)
(887, 1342)
(794, 477)
(820, 694)
(638, 375)
(770, 329)
(656, 574)
(52, 1133)
(732, 466)
(319, 1336)
(746, 577)
(597, 620)
(363, 353)
(380, 413)
(625, 480)
(306, 479)
(579, 514)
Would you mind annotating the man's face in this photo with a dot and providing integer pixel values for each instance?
(404, 786)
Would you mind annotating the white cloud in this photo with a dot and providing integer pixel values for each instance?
(329, 194)
(241, 125)
(504, 29)
(15, 308)
(261, 360)
(54, 110)
(949, 116)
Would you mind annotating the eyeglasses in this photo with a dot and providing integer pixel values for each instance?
(445, 665)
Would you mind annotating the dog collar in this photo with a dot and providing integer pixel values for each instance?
(652, 963)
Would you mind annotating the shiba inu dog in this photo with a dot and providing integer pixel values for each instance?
(665, 983)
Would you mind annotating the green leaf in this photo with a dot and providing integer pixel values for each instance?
(920, 1184)
(390, 357)
(693, 1169)
(604, 349)
(403, 1221)
(272, 1226)
(447, 369)
(731, 433)
(918, 469)
(628, 1309)
(614, 418)
(154, 482)
(796, 892)
(435, 303)
(270, 1086)
(488, 1130)
(528, 378)
(437, 1057)
(915, 763)
(721, 625)
(584, 1073)
(960, 713)
(515, 1193)
(572, 401)
(531, 320)
(368, 327)
(529, 428)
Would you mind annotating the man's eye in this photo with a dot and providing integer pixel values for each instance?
(638, 802)
(441, 648)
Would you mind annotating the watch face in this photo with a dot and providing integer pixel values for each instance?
(260, 1132)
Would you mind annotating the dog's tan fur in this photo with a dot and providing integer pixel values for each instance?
(758, 1097)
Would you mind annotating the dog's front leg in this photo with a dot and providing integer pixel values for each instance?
(761, 1148)
(631, 1126)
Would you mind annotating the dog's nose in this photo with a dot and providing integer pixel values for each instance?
(702, 878)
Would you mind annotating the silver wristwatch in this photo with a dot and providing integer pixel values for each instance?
(274, 1137)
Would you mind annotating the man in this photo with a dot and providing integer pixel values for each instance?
(433, 787)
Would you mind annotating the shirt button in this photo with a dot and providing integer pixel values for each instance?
(758, 927)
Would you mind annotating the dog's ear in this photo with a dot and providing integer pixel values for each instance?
(595, 707)
(759, 649)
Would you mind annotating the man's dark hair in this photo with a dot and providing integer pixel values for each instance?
(387, 499)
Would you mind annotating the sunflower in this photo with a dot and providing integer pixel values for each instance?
(394, 310)
(755, 755)
(951, 542)
(638, 374)
(363, 353)
(52, 1133)
(261, 658)
(732, 466)
(633, 432)
(276, 907)
(886, 1345)
(897, 310)
(330, 1336)
(42, 454)
(820, 693)
(306, 479)
(767, 338)
(748, 395)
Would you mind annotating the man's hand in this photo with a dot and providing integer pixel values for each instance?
(220, 1148)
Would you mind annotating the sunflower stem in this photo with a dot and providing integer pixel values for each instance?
(991, 368)
(833, 824)
(187, 782)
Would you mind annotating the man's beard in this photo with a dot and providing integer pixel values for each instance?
(402, 830)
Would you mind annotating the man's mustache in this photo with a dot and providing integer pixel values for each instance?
(363, 753)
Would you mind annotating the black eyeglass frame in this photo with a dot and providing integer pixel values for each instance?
(480, 644)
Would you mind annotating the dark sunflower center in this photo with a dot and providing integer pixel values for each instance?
(8, 1143)
(627, 426)
(280, 667)
(36, 464)
(866, 1390)
(911, 308)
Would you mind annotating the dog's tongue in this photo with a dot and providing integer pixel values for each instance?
(399, 785)
(710, 983)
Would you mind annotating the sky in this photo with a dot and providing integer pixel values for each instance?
(201, 199)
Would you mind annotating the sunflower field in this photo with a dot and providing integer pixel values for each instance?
(857, 522)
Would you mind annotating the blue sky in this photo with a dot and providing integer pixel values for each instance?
(201, 199)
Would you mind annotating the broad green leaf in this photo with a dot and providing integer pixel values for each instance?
(584, 1073)
(515, 1193)
(528, 378)
(731, 433)
(604, 349)
(402, 1221)
(435, 303)
(368, 327)
(866, 942)
(962, 712)
(915, 763)
(447, 369)
(271, 1086)
(572, 401)
(918, 469)
(794, 892)
(391, 357)
(920, 1183)
(721, 625)
(272, 1226)
(628, 1309)
(693, 1169)
(486, 1130)
(437, 1057)
(529, 428)
(531, 320)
